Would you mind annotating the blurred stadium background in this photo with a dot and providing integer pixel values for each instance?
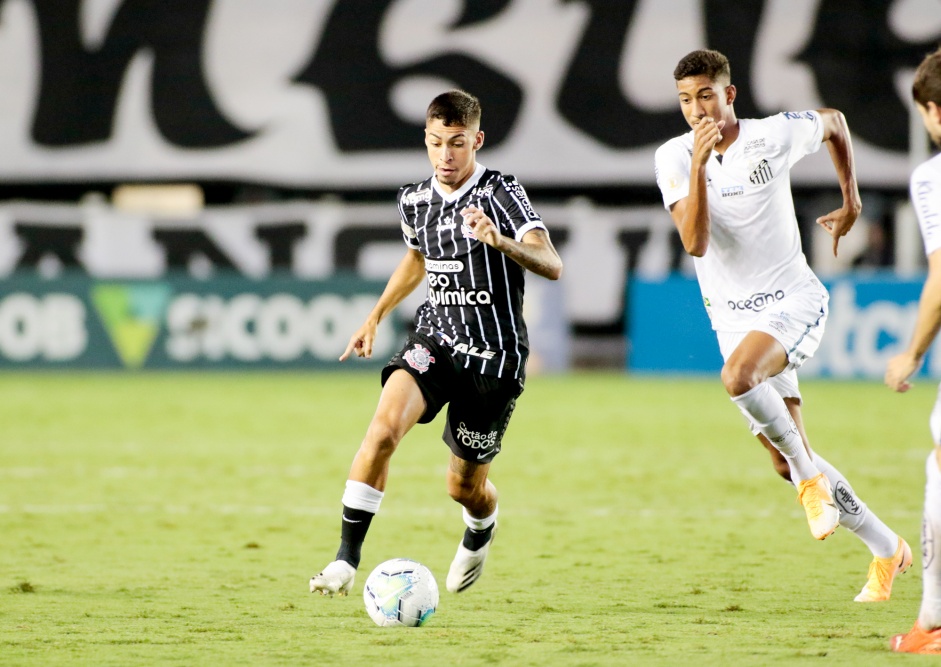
(211, 184)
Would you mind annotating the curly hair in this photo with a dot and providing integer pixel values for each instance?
(703, 62)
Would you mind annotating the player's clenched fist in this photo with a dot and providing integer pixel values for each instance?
(483, 227)
(706, 135)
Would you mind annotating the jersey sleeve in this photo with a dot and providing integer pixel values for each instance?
(516, 214)
(409, 235)
(803, 130)
(925, 188)
(672, 172)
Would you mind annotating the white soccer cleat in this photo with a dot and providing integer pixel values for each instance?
(467, 565)
(336, 579)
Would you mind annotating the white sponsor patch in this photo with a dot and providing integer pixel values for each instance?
(408, 231)
(444, 265)
(417, 197)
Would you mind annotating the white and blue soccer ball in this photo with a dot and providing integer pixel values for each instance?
(401, 592)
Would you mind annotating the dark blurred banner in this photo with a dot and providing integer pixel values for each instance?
(323, 94)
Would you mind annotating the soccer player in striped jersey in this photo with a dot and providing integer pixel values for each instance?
(472, 233)
(925, 636)
(726, 185)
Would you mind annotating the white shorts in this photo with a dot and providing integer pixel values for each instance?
(935, 420)
(797, 322)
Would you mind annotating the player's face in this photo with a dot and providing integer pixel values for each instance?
(452, 150)
(700, 97)
(931, 116)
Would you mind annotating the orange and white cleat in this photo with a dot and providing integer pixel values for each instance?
(816, 496)
(882, 573)
(918, 640)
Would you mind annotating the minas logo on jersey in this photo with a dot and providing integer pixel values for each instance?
(476, 439)
(758, 301)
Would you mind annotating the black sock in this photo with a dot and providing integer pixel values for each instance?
(352, 534)
(475, 539)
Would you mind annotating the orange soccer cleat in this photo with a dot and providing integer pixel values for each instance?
(816, 496)
(882, 573)
(917, 640)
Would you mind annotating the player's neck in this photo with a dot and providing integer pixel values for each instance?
(729, 135)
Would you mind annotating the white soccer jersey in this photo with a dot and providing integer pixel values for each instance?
(926, 196)
(754, 256)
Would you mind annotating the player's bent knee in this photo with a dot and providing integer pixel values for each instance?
(382, 438)
(739, 379)
(463, 490)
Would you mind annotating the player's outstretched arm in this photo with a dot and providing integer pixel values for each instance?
(406, 277)
(836, 134)
(534, 252)
(902, 366)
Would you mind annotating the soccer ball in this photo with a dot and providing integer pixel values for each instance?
(400, 592)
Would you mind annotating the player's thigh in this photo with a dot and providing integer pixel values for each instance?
(467, 473)
(756, 358)
(797, 321)
(401, 405)
(431, 368)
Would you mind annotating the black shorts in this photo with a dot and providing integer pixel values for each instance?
(479, 406)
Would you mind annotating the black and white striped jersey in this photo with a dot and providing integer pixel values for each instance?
(475, 293)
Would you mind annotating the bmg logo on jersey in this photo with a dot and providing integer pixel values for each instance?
(417, 197)
(757, 302)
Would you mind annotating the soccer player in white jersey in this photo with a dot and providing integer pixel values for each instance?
(726, 185)
(473, 233)
(925, 636)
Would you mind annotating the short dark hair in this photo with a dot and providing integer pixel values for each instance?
(455, 108)
(703, 62)
(927, 85)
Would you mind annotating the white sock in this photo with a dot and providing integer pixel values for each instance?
(856, 516)
(360, 496)
(480, 524)
(930, 615)
(765, 408)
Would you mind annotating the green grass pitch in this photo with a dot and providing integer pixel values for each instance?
(160, 519)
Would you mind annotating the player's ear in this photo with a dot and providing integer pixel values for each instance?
(730, 93)
(478, 140)
(934, 111)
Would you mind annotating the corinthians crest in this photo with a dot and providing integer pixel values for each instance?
(419, 358)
